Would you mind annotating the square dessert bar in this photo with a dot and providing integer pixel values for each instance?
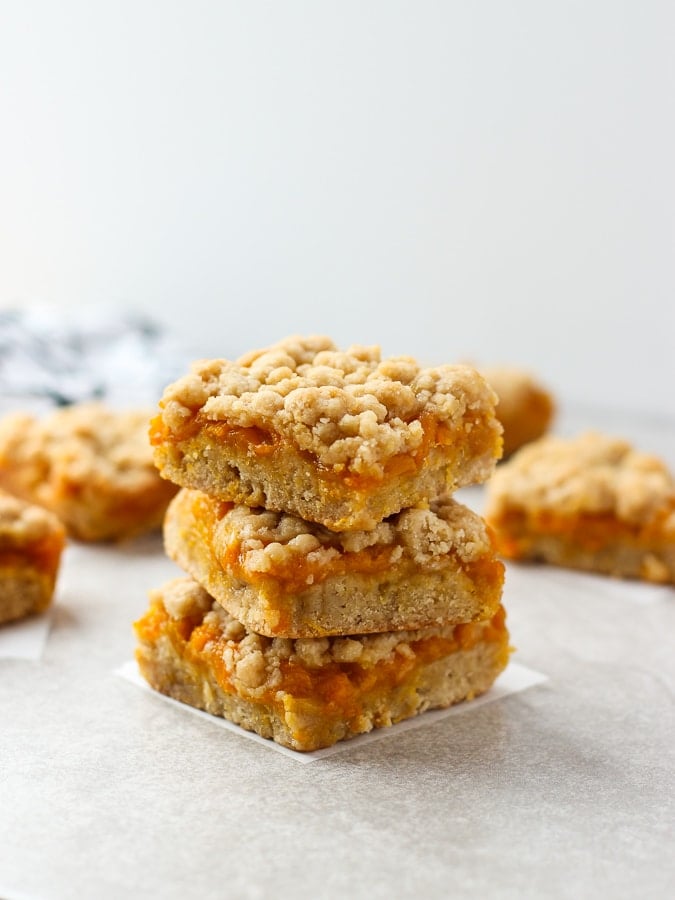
(344, 439)
(312, 692)
(31, 541)
(283, 576)
(526, 408)
(589, 503)
(90, 465)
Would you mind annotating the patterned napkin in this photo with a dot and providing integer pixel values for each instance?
(50, 358)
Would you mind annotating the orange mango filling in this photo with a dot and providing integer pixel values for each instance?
(297, 572)
(516, 532)
(254, 440)
(338, 689)
(42, 555)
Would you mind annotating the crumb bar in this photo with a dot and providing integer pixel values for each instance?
(525, 409)
(31, 541)
(590, 503)
(344, 439)
(90, 465)
(309, 693)
(283, 576)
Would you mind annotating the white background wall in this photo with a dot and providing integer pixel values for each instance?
(490, 180)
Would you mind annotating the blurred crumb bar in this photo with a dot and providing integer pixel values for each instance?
(591, 502)
(281, 575)
(526, 408)
(344, 439)
(309, 693)
(31, 541)
(90, 465)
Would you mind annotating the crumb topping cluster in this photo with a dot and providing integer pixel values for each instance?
(589, 474)
(269, 541)
(253, 661)
(79, 444)
(23, 523)
(348, 408)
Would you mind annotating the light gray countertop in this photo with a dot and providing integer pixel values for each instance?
(563, 790)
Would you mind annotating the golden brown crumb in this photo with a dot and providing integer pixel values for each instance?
(22, 523)
(310, 693)
(31, 541)
(592, 503)
(90, 465)
(268, 541)
(526, 408)
(590, 474)
(253, 658)
(340, 438)
(281, 575)
(349, 409)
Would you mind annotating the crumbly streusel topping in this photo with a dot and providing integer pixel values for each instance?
(271, 541)
(82, 443)
(592, 473)
(22, 523)
(253, 660)
(349, 408)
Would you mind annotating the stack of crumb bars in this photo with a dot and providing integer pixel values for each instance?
(334, 585)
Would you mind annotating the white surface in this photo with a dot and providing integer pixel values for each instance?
(26, 638)
(561, 791)
(486, 180)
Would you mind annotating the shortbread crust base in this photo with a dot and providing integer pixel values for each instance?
(23, 592)
(284, 480)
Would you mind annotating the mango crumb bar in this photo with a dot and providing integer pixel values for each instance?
(309, 693)
(283, 576)
(344, 439)
(90, 465)
(592, 502)
(31, 541)
(526, 408)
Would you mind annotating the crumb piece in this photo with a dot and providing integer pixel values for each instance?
(525, 408)
(31, 542)
(247, 430)
(307, 694)
(89, 465)
(281, 575)
(592, 502)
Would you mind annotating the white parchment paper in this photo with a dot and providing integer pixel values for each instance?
(515, 678)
